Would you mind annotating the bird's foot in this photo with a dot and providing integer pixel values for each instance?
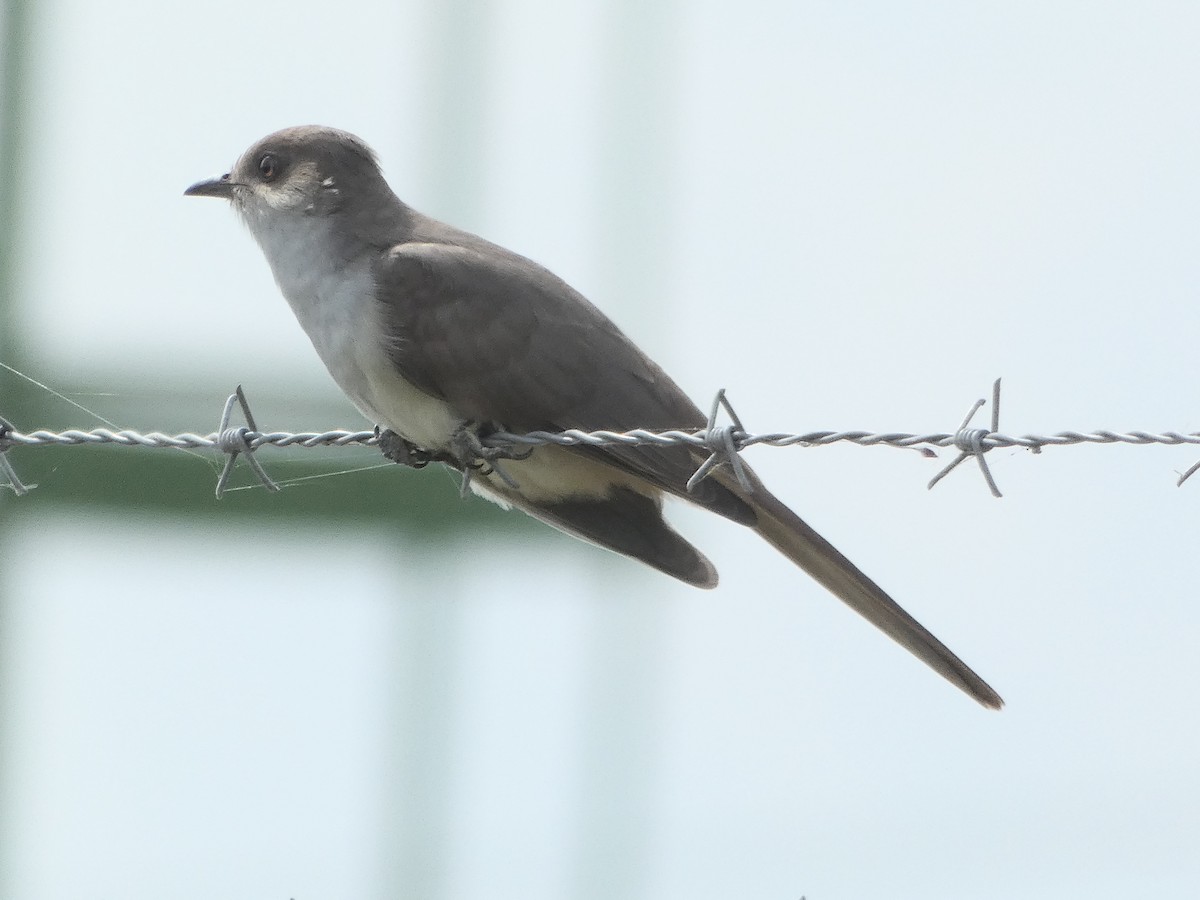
(404, 452)
(473, 456)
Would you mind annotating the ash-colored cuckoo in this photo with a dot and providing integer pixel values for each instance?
(440, 336)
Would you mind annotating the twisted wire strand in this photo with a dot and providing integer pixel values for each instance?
(722, 443)
(699, 440)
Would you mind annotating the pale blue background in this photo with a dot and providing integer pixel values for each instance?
(849, 215)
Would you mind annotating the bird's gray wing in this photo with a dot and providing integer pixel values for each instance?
(506, 342)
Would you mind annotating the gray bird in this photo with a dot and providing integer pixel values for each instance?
(440, 336)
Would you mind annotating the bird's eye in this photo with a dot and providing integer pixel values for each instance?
(268, 167)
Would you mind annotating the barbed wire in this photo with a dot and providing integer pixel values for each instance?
(723, 443)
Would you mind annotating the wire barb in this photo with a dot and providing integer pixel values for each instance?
(971, 442)
(1188, 474)
(6, 469)
(232, 441)
(724, 443)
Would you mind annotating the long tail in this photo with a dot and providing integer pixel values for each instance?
(630, 522)
(796, 540)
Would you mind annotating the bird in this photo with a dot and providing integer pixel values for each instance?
(441, 338)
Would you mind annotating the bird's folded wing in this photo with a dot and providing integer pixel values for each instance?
(505, 341)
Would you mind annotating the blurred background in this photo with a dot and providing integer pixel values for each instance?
(850, 216)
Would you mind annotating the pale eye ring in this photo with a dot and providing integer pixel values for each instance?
(268, 166)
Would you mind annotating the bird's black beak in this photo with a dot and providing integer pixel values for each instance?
(212, 187)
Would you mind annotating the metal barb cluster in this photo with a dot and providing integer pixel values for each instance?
(232, 441)
(6, 469)
(970, 442)
(722, 443)
(725, 442)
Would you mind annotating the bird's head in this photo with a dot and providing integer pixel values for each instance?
(308, 170)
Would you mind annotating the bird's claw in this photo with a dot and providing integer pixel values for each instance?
(473, 456)
(401, 451)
